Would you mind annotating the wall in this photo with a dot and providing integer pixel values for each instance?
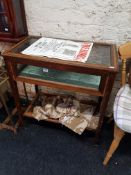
(98, 20)
(94, 20)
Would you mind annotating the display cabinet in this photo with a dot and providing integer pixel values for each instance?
(94, 77)
(12, 20)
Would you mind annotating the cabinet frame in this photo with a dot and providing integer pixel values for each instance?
(107, 73)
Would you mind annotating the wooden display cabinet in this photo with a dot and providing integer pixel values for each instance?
(12, 20)
(102, 64)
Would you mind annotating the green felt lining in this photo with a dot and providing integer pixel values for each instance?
(84, 80)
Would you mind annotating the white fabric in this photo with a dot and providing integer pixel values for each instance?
(122, 108)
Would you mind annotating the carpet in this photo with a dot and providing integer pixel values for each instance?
(42, 148)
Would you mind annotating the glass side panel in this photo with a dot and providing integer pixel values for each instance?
(4, 27)
(2, 8)
(72, 78)
(100, 54)
(23, 46)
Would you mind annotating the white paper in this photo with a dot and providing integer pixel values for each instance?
(61, 49)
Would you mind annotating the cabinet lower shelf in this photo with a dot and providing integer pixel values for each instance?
(91, 126)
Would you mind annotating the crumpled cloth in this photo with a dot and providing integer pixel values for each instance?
(70, 113)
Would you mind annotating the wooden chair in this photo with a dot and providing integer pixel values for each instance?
(125, 54)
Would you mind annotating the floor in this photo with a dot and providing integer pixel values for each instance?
(40, 148)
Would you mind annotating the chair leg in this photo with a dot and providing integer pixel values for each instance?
(118, 135)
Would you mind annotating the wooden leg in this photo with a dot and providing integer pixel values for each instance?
(118, 135)
(15, 92)
(36, 89)
(4, 103)
(26, 94)
(9, 117)
(104, 101)
(5, 126)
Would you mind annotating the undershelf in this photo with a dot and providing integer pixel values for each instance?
(28, 113)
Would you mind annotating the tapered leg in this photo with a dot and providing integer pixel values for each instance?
(118, 135)
(15, 92)
(103, 103)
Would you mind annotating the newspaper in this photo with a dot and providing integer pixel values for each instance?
(61, 49)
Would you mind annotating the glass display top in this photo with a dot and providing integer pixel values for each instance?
(100, 53)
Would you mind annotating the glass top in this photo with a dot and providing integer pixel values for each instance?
(100, 53)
